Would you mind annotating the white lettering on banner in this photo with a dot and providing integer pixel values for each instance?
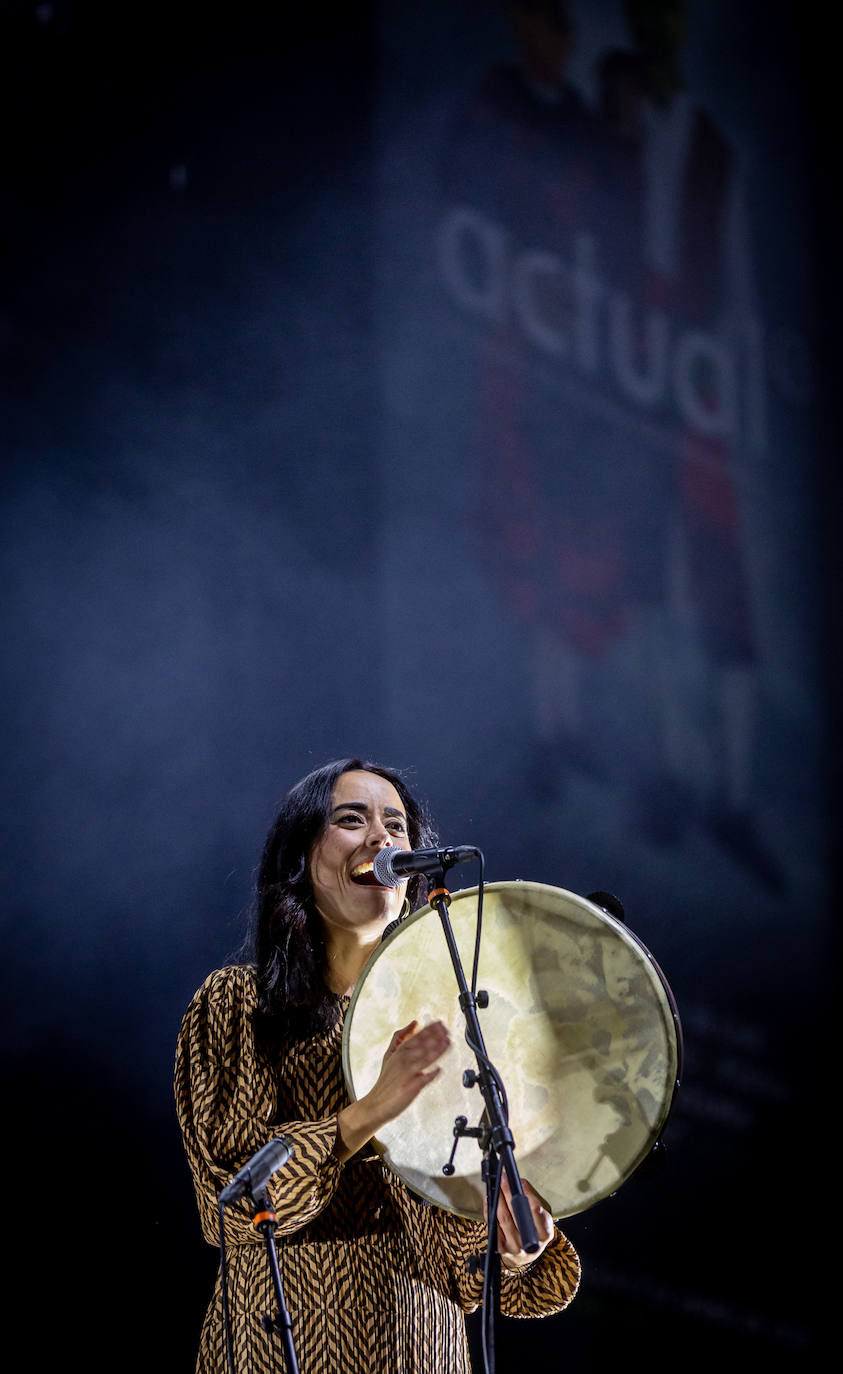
(646, 383)
(692, 346)
(486, 296)
(527, 273)
(565, 310)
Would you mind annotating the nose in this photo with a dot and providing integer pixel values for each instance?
(379, 836)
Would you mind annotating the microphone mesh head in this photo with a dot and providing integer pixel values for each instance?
(382, 868)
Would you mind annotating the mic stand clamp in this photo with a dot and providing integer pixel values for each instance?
(265, 1221)
(462, 1128)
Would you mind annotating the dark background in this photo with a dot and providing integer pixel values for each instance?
(239, 539)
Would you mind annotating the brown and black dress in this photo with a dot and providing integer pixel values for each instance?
(375, 1280)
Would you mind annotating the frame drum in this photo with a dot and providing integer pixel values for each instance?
(580, 1026)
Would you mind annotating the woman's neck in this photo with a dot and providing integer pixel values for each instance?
(345, 961)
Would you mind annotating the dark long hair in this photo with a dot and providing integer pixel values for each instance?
(285, 940)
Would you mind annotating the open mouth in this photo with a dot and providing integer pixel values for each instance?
(364, 875)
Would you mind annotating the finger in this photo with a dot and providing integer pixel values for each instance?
(508, 1237)
(509, 1240)
(399, 1036)
(512, 1243)
(533, 1197)
(539, 1206)
(432, 1040)
(540, 1209)
(435, 1028)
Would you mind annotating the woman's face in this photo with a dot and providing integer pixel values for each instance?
(367, 815)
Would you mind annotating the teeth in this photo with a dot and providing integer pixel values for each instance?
(364, 874)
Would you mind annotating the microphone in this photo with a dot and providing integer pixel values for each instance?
(258, 1171)
(392, 865)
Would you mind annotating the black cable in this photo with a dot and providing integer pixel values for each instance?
(479, 926)
(487, 1328)
(478, 931)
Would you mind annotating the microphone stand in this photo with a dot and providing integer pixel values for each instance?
(265, 1221)
(494, 1135)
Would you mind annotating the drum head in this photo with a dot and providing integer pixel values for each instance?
(580, 1025)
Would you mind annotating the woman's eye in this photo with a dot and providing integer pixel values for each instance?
(354, 819)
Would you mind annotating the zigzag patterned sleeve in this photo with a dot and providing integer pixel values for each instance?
(545, 1287)
(227, 1100)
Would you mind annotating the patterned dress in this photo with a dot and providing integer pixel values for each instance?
(375, 1280)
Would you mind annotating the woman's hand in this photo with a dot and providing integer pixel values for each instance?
(405, 1071)
(509, 1240)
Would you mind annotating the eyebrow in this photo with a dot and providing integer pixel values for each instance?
(364, 806)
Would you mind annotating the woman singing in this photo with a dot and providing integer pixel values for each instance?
(375, 1279)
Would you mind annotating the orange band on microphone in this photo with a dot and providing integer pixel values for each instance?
(263, 1216)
